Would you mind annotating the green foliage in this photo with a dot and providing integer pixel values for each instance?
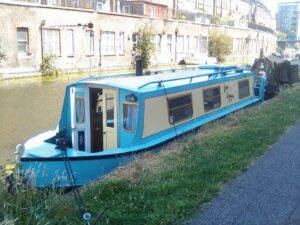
(216, 20)
(25, 205)
(220, 45)
(281, 35)
(145, 47)
(47, 67)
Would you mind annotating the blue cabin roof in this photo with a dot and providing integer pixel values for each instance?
(165, 79)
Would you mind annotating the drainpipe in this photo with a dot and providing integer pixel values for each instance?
(42, 38)
(176, 34)
(100, 49)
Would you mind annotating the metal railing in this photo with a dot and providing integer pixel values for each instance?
(223, 72)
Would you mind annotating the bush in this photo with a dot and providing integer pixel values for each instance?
(47, 67)
(145, 47)
(220, 45)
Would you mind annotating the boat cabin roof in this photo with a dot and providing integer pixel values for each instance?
(165, 79)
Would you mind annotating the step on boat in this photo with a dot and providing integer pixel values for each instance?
(106, 122)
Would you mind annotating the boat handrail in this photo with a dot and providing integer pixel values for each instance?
(223, 72)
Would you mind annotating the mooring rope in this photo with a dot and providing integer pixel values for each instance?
(86, 216)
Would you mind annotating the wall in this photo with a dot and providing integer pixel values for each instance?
(30, 16)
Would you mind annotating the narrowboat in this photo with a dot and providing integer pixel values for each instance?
(105, 122)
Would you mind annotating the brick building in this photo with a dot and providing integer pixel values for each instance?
(31, 30)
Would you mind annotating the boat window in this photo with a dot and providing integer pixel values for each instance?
(180, 108)
(211, 98)
(79, 106)
(244, 91)
(130, 116)
(110, 121)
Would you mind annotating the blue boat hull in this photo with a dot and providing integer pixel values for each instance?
(53, 173)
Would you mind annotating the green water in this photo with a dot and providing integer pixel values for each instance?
(27, 108)
(31, 106)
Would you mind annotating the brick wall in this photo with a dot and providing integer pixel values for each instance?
(14, 16)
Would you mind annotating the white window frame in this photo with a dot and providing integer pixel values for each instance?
(70, 42)
(157, 42)
(89, 43)
(202, 44)
(196, 44)
(121, 43)
(23, 41)
(187, 47)
(108, 43)
(180, 44)
(152, 11)
(51, 43)
(169, 43)
(135, 41)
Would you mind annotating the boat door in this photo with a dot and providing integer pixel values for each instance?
(80, 118)
(110, 125)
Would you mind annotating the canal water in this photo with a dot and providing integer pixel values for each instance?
(27, 108)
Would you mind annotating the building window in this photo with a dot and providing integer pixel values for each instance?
(121, 43)
(180, 44)
(130, 113)
(203, 44)
(89, 42)
(80, 109)
(108, 43)
(244, 91)
(152, 10)
(157, 42)
(126, 9)
(99, 6)
(180, 108)
(195, 46)
(169, 43)
(211, 98)
(70, 43)
(135, 41)
(22, 34)
(51, 41)
(187, 45)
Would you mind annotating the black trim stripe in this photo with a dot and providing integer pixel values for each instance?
(76, 158)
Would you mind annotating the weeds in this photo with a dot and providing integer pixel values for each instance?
(47, 67)
(168, 187)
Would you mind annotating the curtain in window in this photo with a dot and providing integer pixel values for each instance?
(130, 117)
(80, 112)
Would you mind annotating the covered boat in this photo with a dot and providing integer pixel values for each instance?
(105, 122)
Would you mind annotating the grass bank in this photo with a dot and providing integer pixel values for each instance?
(169, 187)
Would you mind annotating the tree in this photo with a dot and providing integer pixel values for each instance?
(281, 35)
(146, 47)
(220, 45)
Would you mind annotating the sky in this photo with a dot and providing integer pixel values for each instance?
(272, 4)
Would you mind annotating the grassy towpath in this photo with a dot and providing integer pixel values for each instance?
(168, 187)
